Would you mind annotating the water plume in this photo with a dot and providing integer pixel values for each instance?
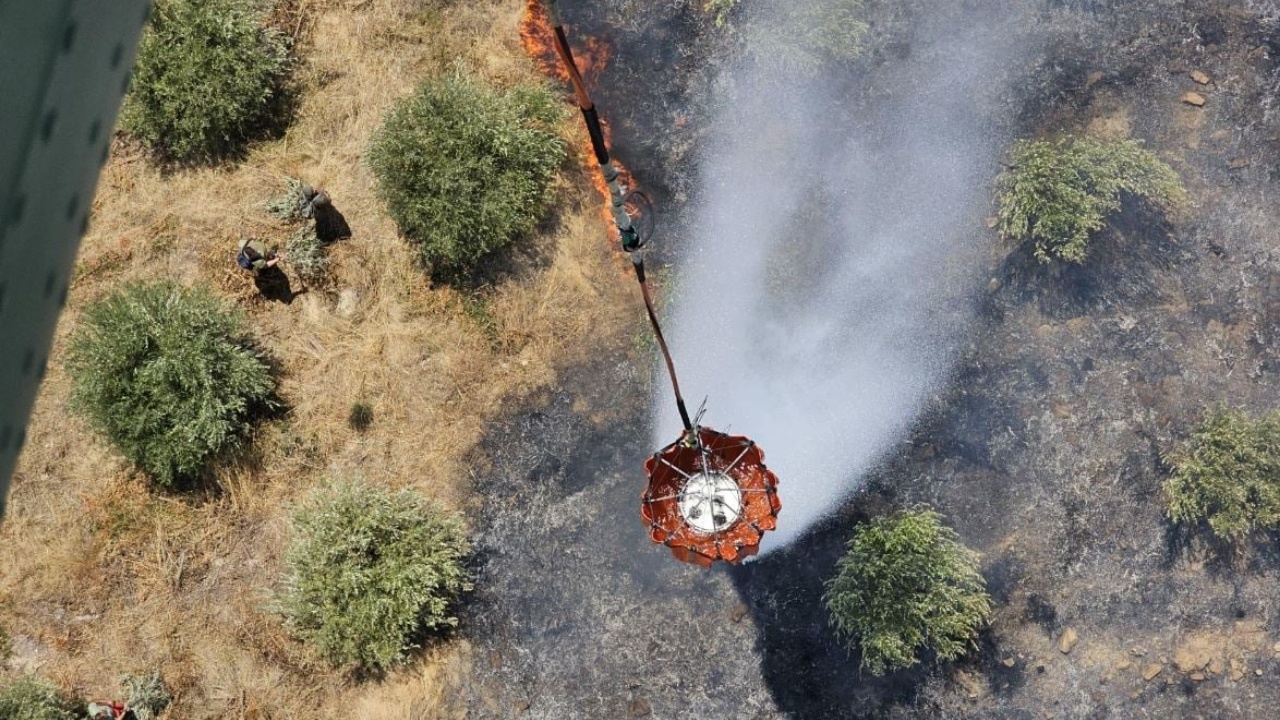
(836, 245)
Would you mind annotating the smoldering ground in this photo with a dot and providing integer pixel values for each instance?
(829, 268)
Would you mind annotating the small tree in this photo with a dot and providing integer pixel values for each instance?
(31, 699)
(208, 77)
(905, 584)
(168, 375)
(465, 168)
(370, 572)
(1057, 193)
(1228, 474)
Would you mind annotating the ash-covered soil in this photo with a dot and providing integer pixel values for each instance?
(1044, 450)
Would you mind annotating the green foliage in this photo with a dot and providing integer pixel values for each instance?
(306, 254)
(361, 416)
(803, 36)
(1057, 193)
(465, 168)
(906, 583)
(148, 695)
(1229, 474)
(719, 9)
(31, 699)
(208, 77)
(288, 207)
(168, 375)
(370, 572)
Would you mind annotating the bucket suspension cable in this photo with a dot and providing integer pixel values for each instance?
(630, 236)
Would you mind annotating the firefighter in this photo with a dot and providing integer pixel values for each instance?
(256, 256)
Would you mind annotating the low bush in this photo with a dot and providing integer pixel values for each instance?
(360, 417)
(465, 168)
(1057, 193)
(907, 584)
(148, 695)
(168, 375)
(306, 254)
(1228, 474)
(371, 572)
(31, 699)
(798, 37)
(209, 76)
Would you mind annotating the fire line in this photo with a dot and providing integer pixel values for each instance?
(709, 495)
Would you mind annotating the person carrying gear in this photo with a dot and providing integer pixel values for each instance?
(100, 710)
(254, 255)
(330, 224)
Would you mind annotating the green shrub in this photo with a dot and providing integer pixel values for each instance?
(168, 375)
(719, 10)
(148, 695)
(465, 168)
(306, 254)
(289, 206)
(1228, 474)
(370, 572)
(801, 37)
(209, 75)
(1057, 193)
(31, 699)
(905, 584)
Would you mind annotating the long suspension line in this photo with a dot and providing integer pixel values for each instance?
(627, 232)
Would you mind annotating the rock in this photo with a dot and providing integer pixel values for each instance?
(1189, 659)
(1197, 676)
(738, 612)
(1068, 640)
(348, 302)
(1150, 672)
(1215, 666)
(1008, 662)
(1124, 665)
(992, 221)
(1258, 672)
(1237, 669)
(639, 708)
(994, 285)
(1199, 77)
(1193, 98)
(1239, 163)
(1093, 78)
(523, 707)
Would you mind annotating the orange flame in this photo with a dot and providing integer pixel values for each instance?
(539, 42)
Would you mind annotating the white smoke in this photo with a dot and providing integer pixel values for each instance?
(836, 244)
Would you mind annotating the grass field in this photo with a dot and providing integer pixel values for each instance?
(100, 576)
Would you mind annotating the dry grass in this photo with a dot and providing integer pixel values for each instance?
(99, 576)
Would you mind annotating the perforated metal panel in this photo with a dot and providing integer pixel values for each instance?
(65, 70)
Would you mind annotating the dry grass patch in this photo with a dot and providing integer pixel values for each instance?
(100, 577)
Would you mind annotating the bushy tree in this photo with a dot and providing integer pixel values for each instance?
(465, 167)
(907, 584)
(370, 572)
(148, 695)
(209, 75)
(169, 375)
(31, 699)
(1228, 473)
(1056, 193)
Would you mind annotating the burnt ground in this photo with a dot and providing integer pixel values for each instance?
(1044, 450)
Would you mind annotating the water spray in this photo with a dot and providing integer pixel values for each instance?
(710, 496)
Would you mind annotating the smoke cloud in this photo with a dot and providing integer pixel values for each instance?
(836, 247)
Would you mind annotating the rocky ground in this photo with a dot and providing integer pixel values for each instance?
(1044, 451)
